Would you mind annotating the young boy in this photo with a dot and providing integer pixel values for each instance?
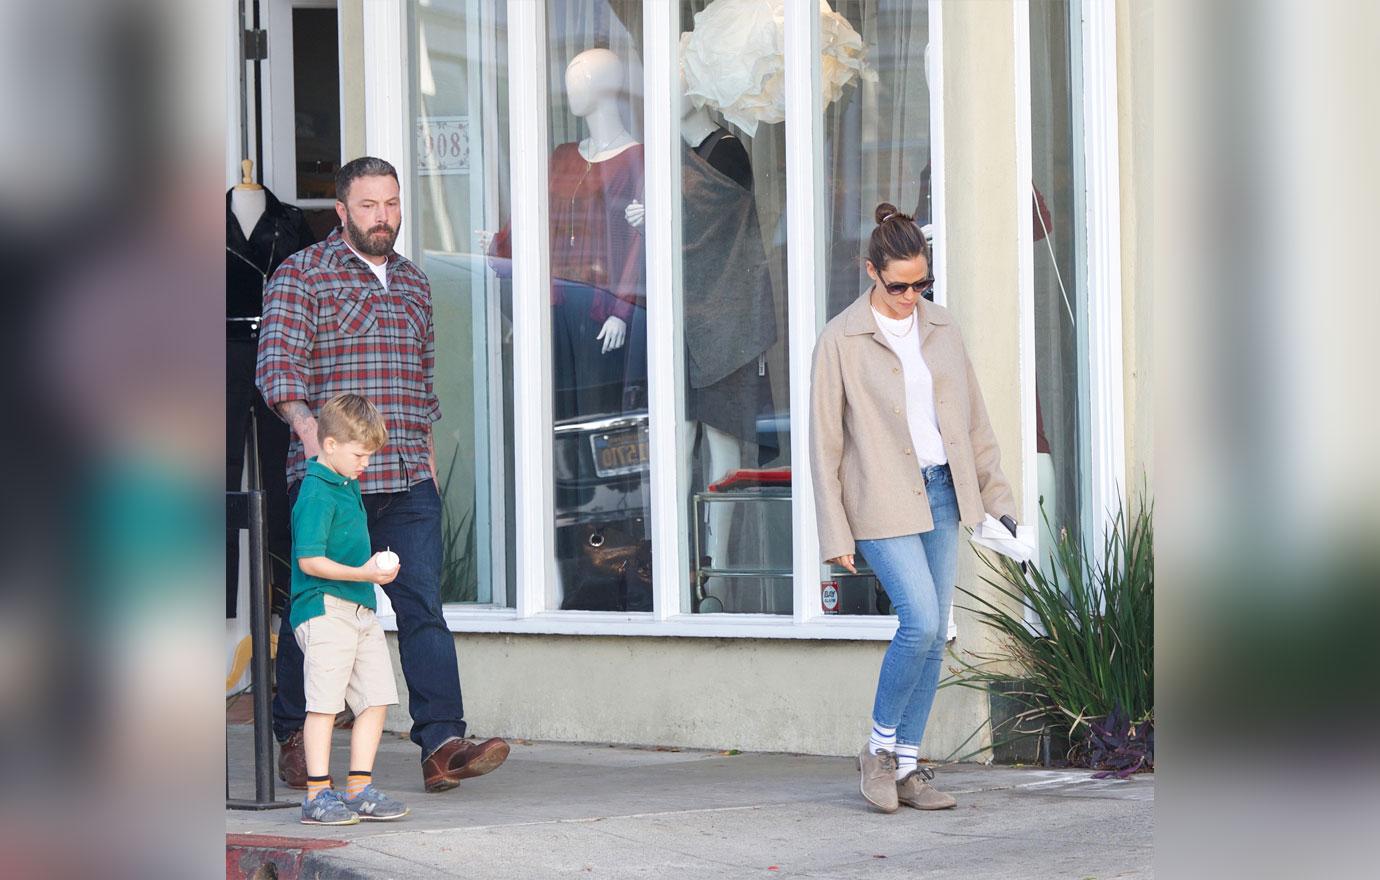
(333, 614)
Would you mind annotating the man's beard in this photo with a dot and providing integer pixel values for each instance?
(377, 242)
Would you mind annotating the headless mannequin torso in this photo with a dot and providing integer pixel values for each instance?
(248, 200)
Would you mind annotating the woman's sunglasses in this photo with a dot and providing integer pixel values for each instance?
(896, 288)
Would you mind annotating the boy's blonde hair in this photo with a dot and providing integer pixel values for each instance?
(350, 418)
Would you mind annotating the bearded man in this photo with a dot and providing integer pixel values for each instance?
(351, 315)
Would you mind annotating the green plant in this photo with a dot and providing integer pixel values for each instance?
(1084, 658)
(459, 574)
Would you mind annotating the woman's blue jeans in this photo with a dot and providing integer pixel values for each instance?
(918, 573)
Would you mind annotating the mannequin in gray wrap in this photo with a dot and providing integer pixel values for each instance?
(732, 183)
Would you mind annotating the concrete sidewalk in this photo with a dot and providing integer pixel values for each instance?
(561, 810)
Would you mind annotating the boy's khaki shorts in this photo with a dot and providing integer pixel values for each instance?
(346, 659)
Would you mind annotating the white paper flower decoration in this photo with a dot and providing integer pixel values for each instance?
(734, 60)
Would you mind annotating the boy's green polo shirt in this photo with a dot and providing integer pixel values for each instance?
(328, 520)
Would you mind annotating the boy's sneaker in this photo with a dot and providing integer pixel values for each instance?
(327, 808)
(374, 804)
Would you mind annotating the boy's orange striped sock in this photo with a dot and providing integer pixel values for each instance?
(356, 782)
(316, 785)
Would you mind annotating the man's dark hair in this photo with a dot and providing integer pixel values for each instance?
(364, 166)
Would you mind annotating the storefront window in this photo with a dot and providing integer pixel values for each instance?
(735, 437)
(598, 308)
(1061, 364)
(731, 360)
(877, 148)
(316, 100)
(459, 186)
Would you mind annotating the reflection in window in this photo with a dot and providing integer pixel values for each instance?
(1060, 338)
(316, 101)
(459, 187)
(877, 139)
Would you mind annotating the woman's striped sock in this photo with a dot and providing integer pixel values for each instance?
(882, 738)
(907, 759)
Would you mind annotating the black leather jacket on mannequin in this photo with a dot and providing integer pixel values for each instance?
(279, 233)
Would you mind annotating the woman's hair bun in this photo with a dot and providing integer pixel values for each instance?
(885, 211)
(895, 241)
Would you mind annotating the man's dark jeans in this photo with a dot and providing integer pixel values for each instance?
(408, 523)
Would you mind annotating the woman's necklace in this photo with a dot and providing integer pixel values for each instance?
(594, 150)
(575, 194)
(904, 333)
(598, 149)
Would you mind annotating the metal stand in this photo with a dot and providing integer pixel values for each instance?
(702, 573)
(248, 510)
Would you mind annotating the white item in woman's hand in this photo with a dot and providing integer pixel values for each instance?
(990, 533)
(387, 560)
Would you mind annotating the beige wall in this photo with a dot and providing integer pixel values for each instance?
(1135, 99)
(983, 254)
(352, 78)
(813, 697)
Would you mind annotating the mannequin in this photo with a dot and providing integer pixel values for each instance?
(725, 153)
(725, 453)
(598, 331)
(593, 80)
(724, 274)
(248, 200)
(260, 233)
(598, 265)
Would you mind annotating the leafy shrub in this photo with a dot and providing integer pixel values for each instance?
(1085, 654)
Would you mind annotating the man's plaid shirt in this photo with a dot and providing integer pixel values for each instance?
(330, 328)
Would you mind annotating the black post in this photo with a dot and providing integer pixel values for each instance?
(258, 625)
(260, 671)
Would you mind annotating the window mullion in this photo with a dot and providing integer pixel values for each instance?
(935, 72)
(1102, 225)
(532, 426)
(385, 91)
(1025, 266)
(665, 358)
(805, 232)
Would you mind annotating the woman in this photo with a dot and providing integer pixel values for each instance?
(902, 454)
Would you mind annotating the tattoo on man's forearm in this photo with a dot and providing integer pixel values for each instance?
(296, 413)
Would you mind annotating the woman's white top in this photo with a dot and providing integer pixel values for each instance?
(904, 339)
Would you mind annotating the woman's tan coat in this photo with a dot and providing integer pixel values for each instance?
(867, 482)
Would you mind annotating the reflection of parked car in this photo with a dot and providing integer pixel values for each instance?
(602, 549)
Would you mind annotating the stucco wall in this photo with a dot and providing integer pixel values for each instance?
(813, 697)
(351, 13)
(1135, 99)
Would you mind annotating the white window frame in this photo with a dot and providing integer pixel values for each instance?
(279, 99)
(1095, 54)
(234, 66)
(386, 99)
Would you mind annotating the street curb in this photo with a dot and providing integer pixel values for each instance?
(269, 857)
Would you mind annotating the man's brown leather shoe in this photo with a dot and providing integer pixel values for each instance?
(476, 759)
(459, 759)
(292, 762)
